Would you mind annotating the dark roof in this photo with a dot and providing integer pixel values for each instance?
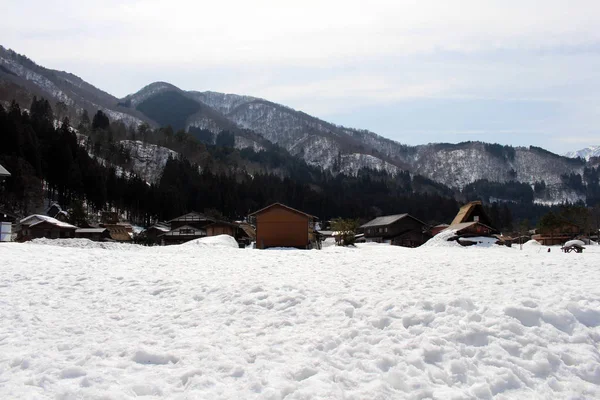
(192, 216)
(90, 230)
(3, 171)
(388, 220)
(282, 206)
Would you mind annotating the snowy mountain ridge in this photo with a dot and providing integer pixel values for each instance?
(586, 153)
(258, 123)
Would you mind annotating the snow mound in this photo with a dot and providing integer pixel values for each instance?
(85, 244)
(213, 241)
(575, 242)
(480, 241)
(441, 239)
(532, 243)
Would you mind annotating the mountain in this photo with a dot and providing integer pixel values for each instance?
(261, 124)
(21, 79)
(586, 154)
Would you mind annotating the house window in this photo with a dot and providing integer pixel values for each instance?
(386, 230)
(186, 231)
(476, 218)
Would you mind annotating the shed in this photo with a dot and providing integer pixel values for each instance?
(399, 229)
(278, 225)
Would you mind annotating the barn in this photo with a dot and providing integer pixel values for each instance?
(281, 226)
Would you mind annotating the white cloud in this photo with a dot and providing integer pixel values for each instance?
(328, 57)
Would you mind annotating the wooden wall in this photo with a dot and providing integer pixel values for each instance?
(279, 227)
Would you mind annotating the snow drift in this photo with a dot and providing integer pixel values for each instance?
(375, 321)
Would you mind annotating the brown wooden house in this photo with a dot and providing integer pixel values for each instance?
(41, 226)
(182, 234)
(472, 220)
(281, 226)
(193, 219)
(472, 212)
(399, 230)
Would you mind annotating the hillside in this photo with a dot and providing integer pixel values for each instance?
(260, 124)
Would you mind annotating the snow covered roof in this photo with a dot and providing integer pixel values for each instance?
(38, 218)
(3, 171)
(387, 220)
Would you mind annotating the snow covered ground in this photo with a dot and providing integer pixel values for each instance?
(377, 322)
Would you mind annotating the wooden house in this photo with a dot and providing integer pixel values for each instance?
(118, 233)
(151, 235)
(56, 211)
(41, 226)
(399, 230)
(472, 220)
(559, 235)
(281, 226)
(182, 234)
(95, 234)
(438, 228)
(473, 228)
(193, 219)
(472, 212)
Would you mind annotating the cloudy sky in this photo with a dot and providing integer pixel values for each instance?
(417, 71)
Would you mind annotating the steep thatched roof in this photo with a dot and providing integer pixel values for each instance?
(468, 212)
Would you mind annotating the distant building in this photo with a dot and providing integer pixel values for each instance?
(195, 225)
(438, 228)
(95, 234)
(399, 230)
(118, 233)
(151, 234)
(281, 226)
(56, 211)
(182, 234)
(472, 212)
(41, 226)
(559, 235)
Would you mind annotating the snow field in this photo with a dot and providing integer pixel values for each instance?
(377, 322)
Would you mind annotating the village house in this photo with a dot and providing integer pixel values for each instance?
(196, 225)
(118, 233)
(559, 235)
(151, 234)
(41, 226)
(278, 225)
(182, 234)
(95, 234)
(472, 220)
(56, 211)
(399, 230)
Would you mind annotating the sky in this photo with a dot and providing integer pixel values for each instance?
(521, 72)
